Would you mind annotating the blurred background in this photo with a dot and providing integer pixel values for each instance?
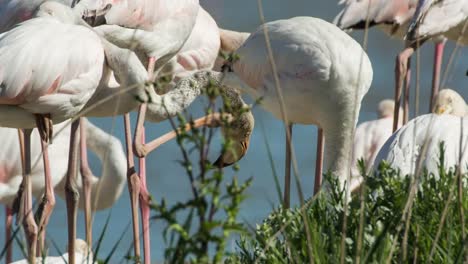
(167, 179)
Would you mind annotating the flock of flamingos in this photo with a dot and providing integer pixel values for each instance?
(62, 61)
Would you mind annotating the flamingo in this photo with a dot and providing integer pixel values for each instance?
(449, 101)
(38, 88)
(81, 256)
(394, 18)
(320, 82)
(156, 31)
(108, 149)
(126, 65)
(370, 137)
(13, 12)
(198, 53)
(439, 20)
(422, 136)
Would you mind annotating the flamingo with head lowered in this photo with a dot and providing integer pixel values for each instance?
(321, 72)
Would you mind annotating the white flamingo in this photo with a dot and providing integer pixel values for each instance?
(370, 137)
(323, 75)
(156, 31)
(439, 20)
(13, 12)
(38, 87)
(423, 136)
(449, 101)
(394, 18)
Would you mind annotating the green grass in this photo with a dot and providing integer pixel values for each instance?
(378, 229)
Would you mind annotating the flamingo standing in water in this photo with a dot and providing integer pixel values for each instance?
(370, 137)
(323, 75)
(108, 149)
(394, 18)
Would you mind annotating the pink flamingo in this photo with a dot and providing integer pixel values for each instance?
(46, 90)
(156, 31)
(394, 18)
(439, 20)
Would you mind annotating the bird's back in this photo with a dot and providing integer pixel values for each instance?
(13, 12)
(41, 55)
(201, 48)
(146, 14)
(369, 138)
(446, 17)
(404, 147)
(392, 16)
(314, 59)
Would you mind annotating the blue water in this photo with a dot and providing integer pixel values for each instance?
(167, 179)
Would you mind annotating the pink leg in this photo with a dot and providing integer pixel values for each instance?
(212, 120)
(29, 224)
(48, 200)
(139, 148)
(144, 207)
(319, 161)
(133, 187)
(138, 144)
(438, 54)
(401, 68)
(71, 192)
(86, 176)
(407, 93)
(287, 167)
(8, 224)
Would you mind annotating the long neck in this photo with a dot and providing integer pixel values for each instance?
(338, 146)
(108, 188)
(187, 89)
(112, 101)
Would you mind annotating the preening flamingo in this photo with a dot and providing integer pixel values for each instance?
(394, 18)
(156, 31)
(199, 53)
(323, 75)
(450, 102)
(370, 137)
(130, 72)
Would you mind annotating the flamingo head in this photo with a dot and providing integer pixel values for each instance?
(237, 133)
(450, 102)
(386, 108)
